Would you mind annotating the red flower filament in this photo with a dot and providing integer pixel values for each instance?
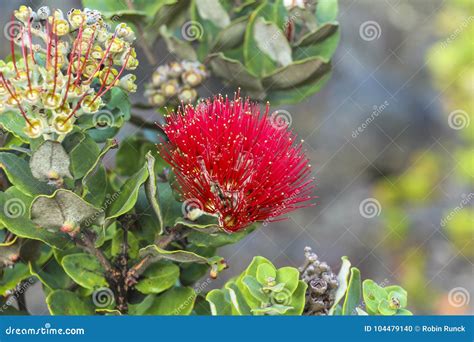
(238, 163)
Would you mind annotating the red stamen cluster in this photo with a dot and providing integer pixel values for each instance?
(237, 163)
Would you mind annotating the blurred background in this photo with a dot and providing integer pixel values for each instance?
(390, 138)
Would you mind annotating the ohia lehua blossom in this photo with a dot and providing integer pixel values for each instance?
(62, 64)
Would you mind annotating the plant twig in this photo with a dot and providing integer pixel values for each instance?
(142, 265)
(140, 122)
(85, 240)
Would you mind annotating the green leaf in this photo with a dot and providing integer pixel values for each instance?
(385, 309)
(132, 16)
(361, 312)
(314, 37)
(176, 301)
(85, 270)
(275, 309)
(83, 151)
(131, 155)
(298, 299)
(231, 36)
(399, 297)
(151, 191)
(266, 272)
(206, 223)
(140, 308)
(158, 278)
(50, 162)
(219, 302)
(19, 174)
(271, 41)
(96, 178)
(342, 279)
(353, 294)
(255, 288)
(404, 312)
(303, 90)
(213, 11)
(217, 239)
(295, 73)
(373, 294)
(51, 275)
(128, 194)
(237, 299)
(13, 122)
(261, 64)
(234, 72)
(326, 10)
(171, 209)
(15, 215)
(65, 211)
(11, 277)
(288, 276)
(216, 263)
(133, 244)
(61, 302)
(324, 48)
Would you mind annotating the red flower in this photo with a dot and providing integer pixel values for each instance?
(239, 164)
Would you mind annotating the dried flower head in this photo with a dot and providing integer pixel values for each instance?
(236, 162)
(66, 65)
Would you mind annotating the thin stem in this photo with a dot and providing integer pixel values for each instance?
(11, 92)
(140, 122)
(87, 243)
(142, 265)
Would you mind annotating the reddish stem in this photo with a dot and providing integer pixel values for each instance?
(86, 57)
(55, 63)
(12, 46)
(118, 75)
(31, 42)
(103, 58)
(25, 58)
